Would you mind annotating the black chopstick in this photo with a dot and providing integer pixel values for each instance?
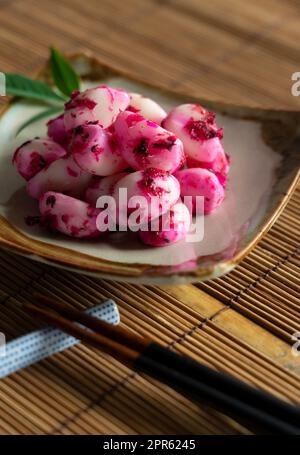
(226, 383)
(252, 407)
(255, 409)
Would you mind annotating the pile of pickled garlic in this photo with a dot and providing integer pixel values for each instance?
(108, 139)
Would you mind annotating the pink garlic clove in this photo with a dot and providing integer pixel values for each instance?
(63, 176)
(33, 156)
(57, 131)
(173, 227)
(159, 191)
(68, 215)
(96, 151)
(146, 107)
(220, 166)
(102, 187)
(145, 144)
(201, 182)
(197, 129)
(101, 104)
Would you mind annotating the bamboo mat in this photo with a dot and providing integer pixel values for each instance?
(241, 323)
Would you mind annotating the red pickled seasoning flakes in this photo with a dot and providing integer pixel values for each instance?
(65, 219)
(97, 151)
(51, 200)
(81, 102)
(142, 147)
(71, 172)
(132, 109)
(133, 119)
(37, 163)
(148, 183)
(202, 130)
(165, 143)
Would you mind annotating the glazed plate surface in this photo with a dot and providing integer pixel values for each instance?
(264, 147)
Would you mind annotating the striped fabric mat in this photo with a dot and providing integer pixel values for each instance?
(241, 323)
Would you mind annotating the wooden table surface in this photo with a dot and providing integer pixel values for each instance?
(231, 50)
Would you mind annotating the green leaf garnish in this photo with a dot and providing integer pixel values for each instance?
(18, 85)
(64, 76)
(47, 113)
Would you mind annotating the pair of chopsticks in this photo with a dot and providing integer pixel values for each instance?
(257, 410)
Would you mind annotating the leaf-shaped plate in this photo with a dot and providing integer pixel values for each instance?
(264, 146)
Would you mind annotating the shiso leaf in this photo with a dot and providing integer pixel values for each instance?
(22, 86)
(64, 76)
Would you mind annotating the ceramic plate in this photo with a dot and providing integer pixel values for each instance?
(264, 149)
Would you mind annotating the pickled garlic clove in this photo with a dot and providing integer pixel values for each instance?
(145, 144)
(197, 129)
(204, 184)
(63, 176)
(146, 107)
(96, 151)
(57, 131)
(173, 227)
(102, 187)
(68, 215)
(157, 189)
(101, 104)
(33, 156)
